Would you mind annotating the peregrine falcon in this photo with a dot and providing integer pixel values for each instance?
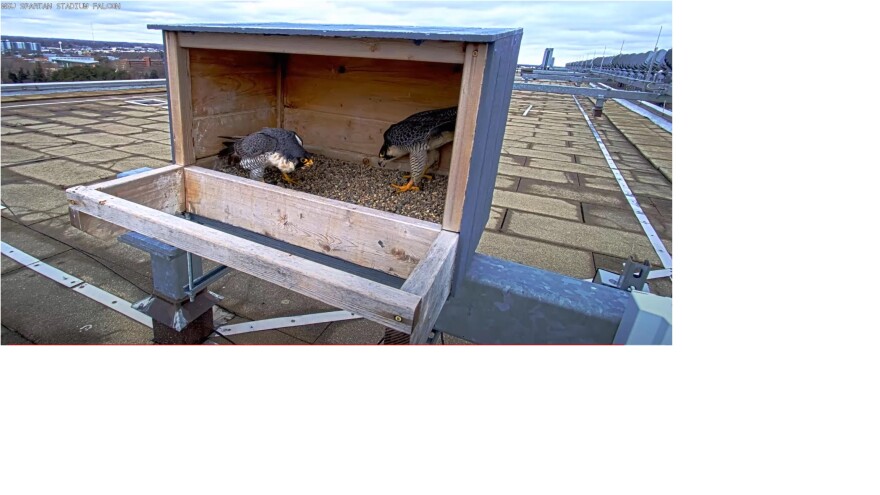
(270, 147)
(420, 136)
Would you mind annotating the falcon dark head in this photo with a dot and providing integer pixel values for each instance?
(391, 152)
(270, 147)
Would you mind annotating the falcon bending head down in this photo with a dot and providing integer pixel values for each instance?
(419, 136)
(270, 147)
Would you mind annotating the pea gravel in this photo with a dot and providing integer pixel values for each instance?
(362, 185)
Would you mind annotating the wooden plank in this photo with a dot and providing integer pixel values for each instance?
(180, 100)
(280, 90)
(225, 81)
(207, 130)
(335, 131)
(375, 239)
(429, 51)
(388, 90)
(359, 141)
(161, 189)
(158, 188)
(493, 110)
(465, 129)
(431, 281)
(385, 305)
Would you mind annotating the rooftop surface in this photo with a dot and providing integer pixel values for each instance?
(557, 206)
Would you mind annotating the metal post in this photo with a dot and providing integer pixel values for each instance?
(597, 109)
(651, 65)
(179, 316)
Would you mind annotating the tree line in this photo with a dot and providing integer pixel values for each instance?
(74, 73)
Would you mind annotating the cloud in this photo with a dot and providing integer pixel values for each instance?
(573, 29)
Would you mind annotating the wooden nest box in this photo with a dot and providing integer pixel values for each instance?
(340, 88)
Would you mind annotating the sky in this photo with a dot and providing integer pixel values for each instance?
(575, 30)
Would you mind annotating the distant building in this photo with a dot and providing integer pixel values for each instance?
(24, 46)
(71, 61)
(144, 63)
(135, 64)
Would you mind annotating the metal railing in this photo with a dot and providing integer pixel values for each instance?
(56, 87)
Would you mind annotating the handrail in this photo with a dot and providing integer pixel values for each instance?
(50, 87)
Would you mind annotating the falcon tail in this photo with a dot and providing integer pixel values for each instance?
(227, 154)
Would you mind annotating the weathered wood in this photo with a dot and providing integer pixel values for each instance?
(430, 51)
(280, 90)
(465, 128)
(388, 90)
(359, 143)
(337, 131)
(375, 239)
(161, 189)
(180, 99)
(207, 130)
(385, 305)
(226, 81)
(431, 281)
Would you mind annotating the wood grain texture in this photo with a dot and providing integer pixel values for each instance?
(375, 239)
(280, 90)
(362, 136)
(363, 97)
(180, 100)
(431, 281)
(430, 51)
(388, 90)
(207, 130)
(376, 302)
(161, 189)
(465, 129)
(225, 81)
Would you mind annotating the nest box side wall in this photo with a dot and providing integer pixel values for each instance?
(491, 119)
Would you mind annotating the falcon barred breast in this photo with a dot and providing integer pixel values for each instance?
(270, 147)
(419, 136)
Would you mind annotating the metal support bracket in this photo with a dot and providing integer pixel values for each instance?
(168, 264)
(634, 276)
(600, 104)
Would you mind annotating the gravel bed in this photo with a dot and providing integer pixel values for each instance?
(361, 185)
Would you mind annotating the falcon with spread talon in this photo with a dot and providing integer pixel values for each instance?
(420, 136)
(270, 147)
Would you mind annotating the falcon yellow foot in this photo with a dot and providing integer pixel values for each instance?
(307, 163)
(288, 179)
(409, 186)
(426, 176)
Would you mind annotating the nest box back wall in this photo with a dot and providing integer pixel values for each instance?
(233, 93)
(341, 106)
